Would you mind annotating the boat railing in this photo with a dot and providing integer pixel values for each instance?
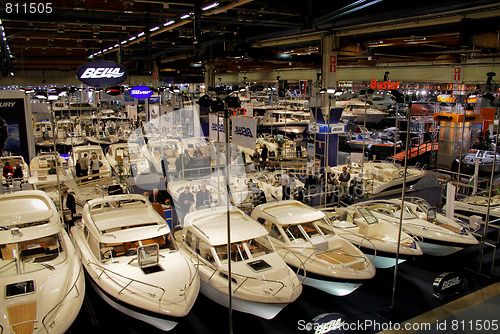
(245, 279)
(131, 280)
(73, 287)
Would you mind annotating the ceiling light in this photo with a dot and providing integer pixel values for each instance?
(184, 16)
(116, 45)
(154, 29)
(215, 4)
(123, 42)
(141, 34)
(322, 91)
(168, 23)
(132, 38)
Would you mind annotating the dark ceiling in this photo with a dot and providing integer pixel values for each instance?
(243, 35)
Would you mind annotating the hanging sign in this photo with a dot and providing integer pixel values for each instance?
(101, 73)
(216, 131)
(384, 84)
(141, 92)
(244, 132)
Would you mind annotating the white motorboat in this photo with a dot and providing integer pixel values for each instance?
(44, 172)
(375, 178)
(303, 237)
(78, 152)
(358, 111)
(441, 236)
(261, 282)
(485, 161)
(44, 134)
(132, 263)
(40, 272)
(13, 161)
(162, 149)
(373, 236)
(69, 133)
(127, 158)
(270, 183)
(477, 205)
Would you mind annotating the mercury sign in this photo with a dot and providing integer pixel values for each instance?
(101, 73)
(141, 92)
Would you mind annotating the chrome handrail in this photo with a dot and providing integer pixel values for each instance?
(64, 297)
(246, 278)
(132, 280)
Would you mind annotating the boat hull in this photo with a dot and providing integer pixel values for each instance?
(262, 310)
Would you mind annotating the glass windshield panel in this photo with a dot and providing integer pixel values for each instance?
(324, 227)
(294, 234)
(257, 247)
(36, 254)
(367, 215)
(119, 249)
(310, 229)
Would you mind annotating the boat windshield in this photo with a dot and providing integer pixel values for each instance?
(31, 255)
(310, 229)
(244, 250)
(119, 249)
(367, 216)
(423, 204)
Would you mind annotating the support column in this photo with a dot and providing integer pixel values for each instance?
(209, 76)
(329, 52)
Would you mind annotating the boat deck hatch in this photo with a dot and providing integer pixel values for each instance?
(259, 265)
(152, 269)
(20, 288)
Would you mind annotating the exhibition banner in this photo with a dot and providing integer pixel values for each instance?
(14, 136)
(244, 132)
(216, 132)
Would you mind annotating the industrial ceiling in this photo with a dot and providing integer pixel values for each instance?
(182, 37)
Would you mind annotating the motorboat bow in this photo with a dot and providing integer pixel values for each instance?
(303, 236)
(40, 272)
(132, 262)
(261, 282)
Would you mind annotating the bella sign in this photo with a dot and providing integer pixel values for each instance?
(101, 73)
(384, 84)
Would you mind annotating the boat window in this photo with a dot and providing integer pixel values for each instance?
(238, 252)
(310, 229)
(204, 250)
(34, 254)
(294, 234)
(324, 227)
(275, 233)
(257, 247)
(189, 239)
(113, 250)
(367, 215)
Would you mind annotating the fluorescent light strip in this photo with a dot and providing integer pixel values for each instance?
(168, 23)
(123, 42)
(132, 38)
(141, 34)
(215, 4)
(185, 16)
(154, 29)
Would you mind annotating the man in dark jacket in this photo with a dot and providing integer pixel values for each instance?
(203, 197)
(68, 204)
(186, 199)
